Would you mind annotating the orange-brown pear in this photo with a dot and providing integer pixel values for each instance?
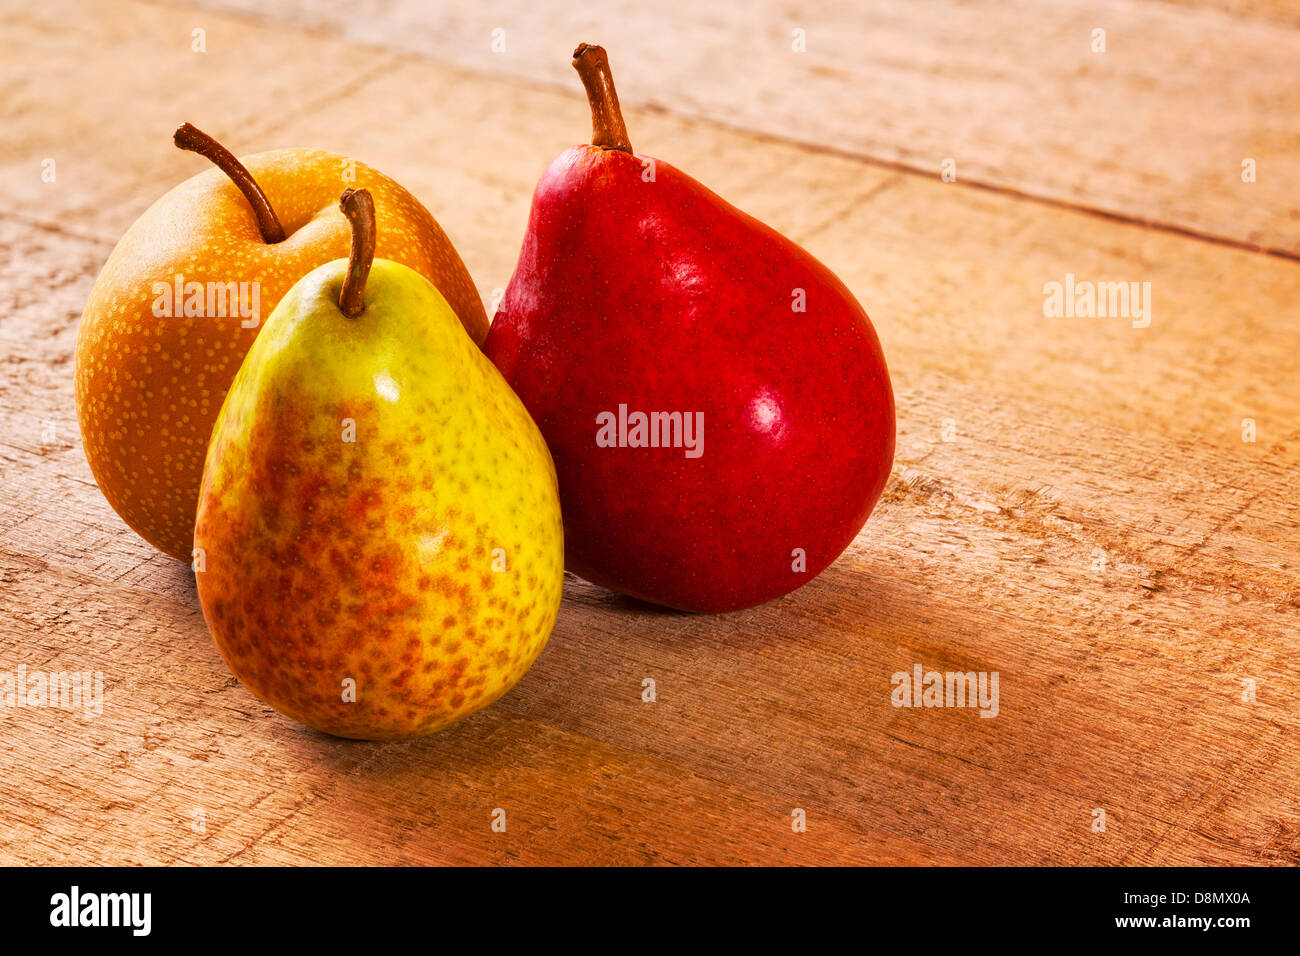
(153, 367)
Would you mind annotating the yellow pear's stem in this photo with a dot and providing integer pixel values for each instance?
(196, 141)
(608, 131)
(359, 207)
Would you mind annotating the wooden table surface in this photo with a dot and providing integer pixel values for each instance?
(1073, 505)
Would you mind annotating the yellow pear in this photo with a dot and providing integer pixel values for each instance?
(379, 549)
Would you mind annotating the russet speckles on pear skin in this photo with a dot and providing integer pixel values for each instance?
(377, 508)
(149, 387)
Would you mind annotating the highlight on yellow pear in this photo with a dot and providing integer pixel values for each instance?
(185, 293)
(379, 550)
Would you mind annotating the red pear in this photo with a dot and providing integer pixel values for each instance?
(715, 399)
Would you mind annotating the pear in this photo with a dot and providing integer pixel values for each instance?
(716, 400)
(184, 294)
(379, 550)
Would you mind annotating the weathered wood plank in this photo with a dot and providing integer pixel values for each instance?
(1277, 11)
(183, 766)
(1073, 506)
(99, 88)
(1155, 128)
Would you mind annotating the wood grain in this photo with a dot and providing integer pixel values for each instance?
(1279, 11)
(1155, 128)
(1072, 506)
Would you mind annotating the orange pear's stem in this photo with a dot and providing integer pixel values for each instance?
(608, 131)
(359, 207)
(196, 141)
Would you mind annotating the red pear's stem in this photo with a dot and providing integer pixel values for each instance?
(197, 141)
(607, 128)
(359, 207)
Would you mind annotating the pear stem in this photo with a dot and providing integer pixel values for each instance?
(608, 131)
(359, 207)
(196, 141)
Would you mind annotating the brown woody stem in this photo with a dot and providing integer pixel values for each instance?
(359, 207)
(197, 141)
(607, 128)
